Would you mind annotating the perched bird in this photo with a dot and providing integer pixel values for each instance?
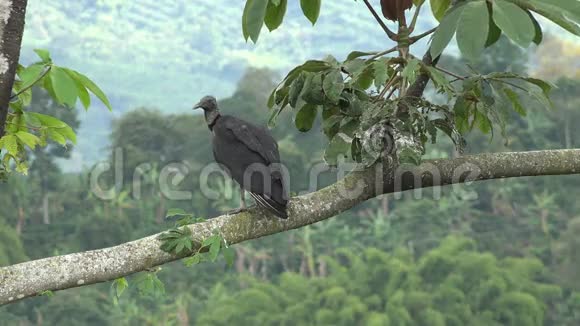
(249, 155)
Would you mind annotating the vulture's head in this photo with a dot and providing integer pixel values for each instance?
(207, 103)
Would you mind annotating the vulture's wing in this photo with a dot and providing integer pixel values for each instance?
(256, 139)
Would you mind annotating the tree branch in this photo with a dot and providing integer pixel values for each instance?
(11, 29)
(390, 33)
(62, 272)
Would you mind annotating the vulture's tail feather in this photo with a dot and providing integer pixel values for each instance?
(271, 205)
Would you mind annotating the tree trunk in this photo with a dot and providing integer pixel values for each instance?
(11, 29)
(45, 209)
(20, 223)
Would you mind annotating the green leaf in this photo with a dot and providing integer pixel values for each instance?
(411, 69)
(28, 139)
(461, 111)
(315, 66)
(47, 293)
(32, 120)
(544, 85)
(64, 86)
(44, 55)
(514, 22)
(313, 92)
(439, 79)
(445, 31)
(381, 69)
(82, 93)
(556, 16)
(515, 100)
(193, 260)
(538, 35)
(47, 120)
(30, 74)
(295, 89)
(494, 33)
(311, 9)
(253, 18)
(56, 136)
(305, 117)
(91, 86)
(175, 212)
(10, 143)
(333, 85)
(68, 133)
(483, 122)
(569, 8)
(275, 14)
(473, 28)
(229, 254)
(357, 54)
(120, 285)
(214, 248)
(338, 147)
(439, 7)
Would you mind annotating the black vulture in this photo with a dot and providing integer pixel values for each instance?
(249, 155)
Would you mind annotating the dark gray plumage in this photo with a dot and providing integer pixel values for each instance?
(249, 155)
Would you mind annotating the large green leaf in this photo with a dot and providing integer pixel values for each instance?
(514, 22)
(473, 28)
(570, 8)
(439, 7)
(44, 55)
(10, 143)
(555, 14)
(275, 14)
(30, 74)
(311, 9)
(27, 138)
(64, 86)
(538, 34)
(305, 117)
(445, 31)
(253, 18)
(313, 92)
(494, 33)
(333, 85)
(381, 68)
(296, 89)
(515, 100)
(91, 86)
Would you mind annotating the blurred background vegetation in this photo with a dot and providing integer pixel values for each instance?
(503, 252)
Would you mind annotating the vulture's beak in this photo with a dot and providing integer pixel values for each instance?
(197, 106)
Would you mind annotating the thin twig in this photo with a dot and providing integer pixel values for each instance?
(416, 38)
(390, 33)
(387, 86)
(391, 92)
(414, 20)
(29, 86)
(449, 73)
(380, 54)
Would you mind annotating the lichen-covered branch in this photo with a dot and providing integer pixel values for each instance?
(62, 272)
(12, 14)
